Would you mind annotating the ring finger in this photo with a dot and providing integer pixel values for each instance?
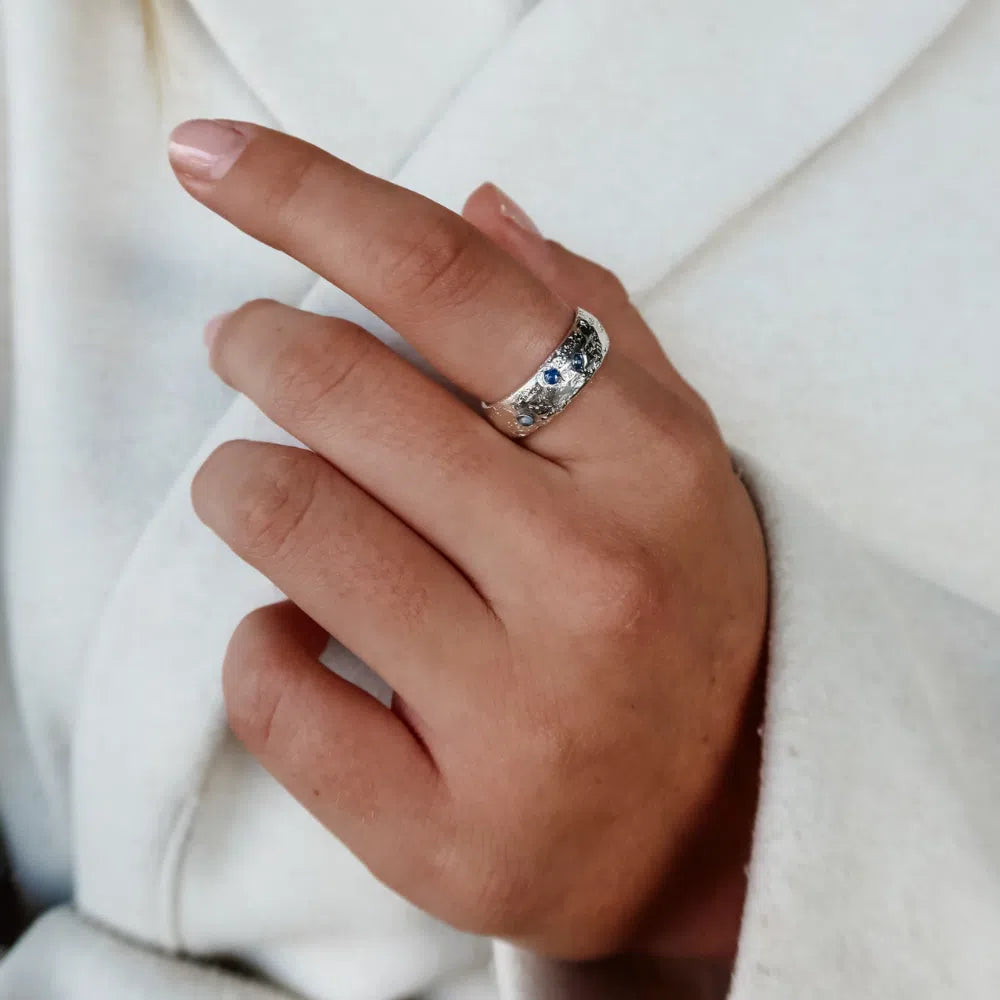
(403, 438)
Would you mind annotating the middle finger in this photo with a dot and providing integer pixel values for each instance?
(403, 438)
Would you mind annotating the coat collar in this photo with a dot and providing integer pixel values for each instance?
(631, 131)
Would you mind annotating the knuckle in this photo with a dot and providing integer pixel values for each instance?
(256, 313)
(239, 322)
(694, 461)
(628, 598)
(615, 591)
(438, 265)
(607, 287)
(211, 486)
(560, 754)
(599, 285)
(252, 704)
(306, 375)
(289, 195)
(273, 504)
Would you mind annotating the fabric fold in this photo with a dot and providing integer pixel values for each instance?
(65, 957)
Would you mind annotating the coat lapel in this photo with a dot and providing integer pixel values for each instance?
(365, 80)
(630, 130)
(633, 130)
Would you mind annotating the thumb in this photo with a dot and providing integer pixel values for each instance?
(575, 279)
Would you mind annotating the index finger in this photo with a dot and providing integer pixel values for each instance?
(476, 314)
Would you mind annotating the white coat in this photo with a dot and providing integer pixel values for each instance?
(803, 196)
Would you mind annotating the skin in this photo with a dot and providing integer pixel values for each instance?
(573, 625)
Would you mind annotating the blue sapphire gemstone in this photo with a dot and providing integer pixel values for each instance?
(551, 376)
(579, 362)
(525, 419)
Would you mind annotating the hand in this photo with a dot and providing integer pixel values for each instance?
(572, 625)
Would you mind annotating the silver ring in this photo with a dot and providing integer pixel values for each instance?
(558, 379)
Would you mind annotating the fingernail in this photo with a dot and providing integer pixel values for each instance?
(213, 326)
(510, 209)
(204, 149)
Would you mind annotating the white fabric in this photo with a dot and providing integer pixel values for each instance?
(801, 195)
(95, 963)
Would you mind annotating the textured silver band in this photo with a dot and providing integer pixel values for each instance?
(558, 379)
